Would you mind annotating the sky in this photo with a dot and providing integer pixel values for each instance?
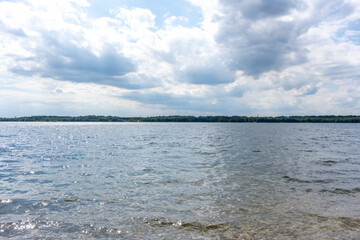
(181, 57)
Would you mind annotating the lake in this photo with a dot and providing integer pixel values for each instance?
(179, 180)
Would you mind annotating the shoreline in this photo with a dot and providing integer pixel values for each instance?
(203, 119)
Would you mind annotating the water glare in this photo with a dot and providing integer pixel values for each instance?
(179, 181)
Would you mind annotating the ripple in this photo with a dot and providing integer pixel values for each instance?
(348, 223)
(179, 181)
(70, 200)
(342, 191)
(308, 150)
(19, 206)
(190, 226)
(352, 224)
(171, 181)
(291, 179)
(204, 227)
(148, 170)
(197, 183)
(10, 161)
(18, 227)
(102, 232)
(256, 151)
(327, 162)
(205, 153)
(7, 136)
(4, 150)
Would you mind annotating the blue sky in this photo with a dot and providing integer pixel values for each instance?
(188, 57)
(160, 8)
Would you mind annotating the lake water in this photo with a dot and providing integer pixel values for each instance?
(179, 181)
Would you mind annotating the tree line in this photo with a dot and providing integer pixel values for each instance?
(178, 118)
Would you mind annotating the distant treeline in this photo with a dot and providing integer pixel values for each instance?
(176, 118)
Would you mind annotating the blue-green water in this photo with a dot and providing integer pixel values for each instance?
(179, 181)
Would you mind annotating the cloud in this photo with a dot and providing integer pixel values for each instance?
(173, 101)
(137, 18)
(62, 60)
(342, 72)
(72, 47)
(193, 56)
(14, 31)
(210, 74)
(243, 57)
(255, 10)
(261, 36)
(174, 19)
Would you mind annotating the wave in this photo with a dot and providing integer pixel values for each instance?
(197, 226)
(348, 223)
(291, 179)
(342, 191)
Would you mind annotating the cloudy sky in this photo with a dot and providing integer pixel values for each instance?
(187, 57)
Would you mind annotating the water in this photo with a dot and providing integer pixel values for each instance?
(179, 181)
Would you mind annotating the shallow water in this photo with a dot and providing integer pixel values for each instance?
(179, 180)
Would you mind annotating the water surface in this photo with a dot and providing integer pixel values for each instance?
(179, 180)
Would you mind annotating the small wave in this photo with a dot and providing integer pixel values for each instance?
(341, 191)
(10, 161)
(192, 226)
(20, 225)
(32, 180)
(148, 170)
(348, 223)
(20, 206)
(102, 232)
(197, 183)
(7, 136)
(308, 150)
(291, 179)
(4, 201)
(171, 181)
(160, 222)
(14, 227)
(143, 183)
(204, 153)
(327, 162)
(174, 144)
(10, 180)
(139, 147)
(223, 150)
(112, 154)
(204, 227)
(339, 140)
(214, 164)
(34, 172)
(70, 200)
(61, 186)
(3, 150)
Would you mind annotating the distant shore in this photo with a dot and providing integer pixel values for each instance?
(178, 118)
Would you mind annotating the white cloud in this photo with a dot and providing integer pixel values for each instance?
(137, 19)
(171, 20)
(244, 57)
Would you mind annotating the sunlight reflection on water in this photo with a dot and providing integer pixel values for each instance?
(179, 180)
